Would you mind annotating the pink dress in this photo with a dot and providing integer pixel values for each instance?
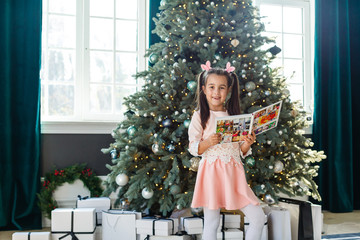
(220, 181)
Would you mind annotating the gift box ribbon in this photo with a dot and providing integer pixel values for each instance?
(82, 198)
(71, 232)
(96, 214)
(305, 218)
(181, 233)
(223, 229)
(249, 224)
(158, 219)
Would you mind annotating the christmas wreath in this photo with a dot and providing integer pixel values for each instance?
(58, 177)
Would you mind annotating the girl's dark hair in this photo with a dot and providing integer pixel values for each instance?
(232, 103)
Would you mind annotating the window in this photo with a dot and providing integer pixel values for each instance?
(288, 23)
(90, 51)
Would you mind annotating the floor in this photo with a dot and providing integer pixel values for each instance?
(334, 223)
(337, 223)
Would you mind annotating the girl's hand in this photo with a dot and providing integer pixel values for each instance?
(209, 142)
(250, 139)
(214, 139)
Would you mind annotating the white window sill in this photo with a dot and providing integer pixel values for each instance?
(93, 128)
(77, 127)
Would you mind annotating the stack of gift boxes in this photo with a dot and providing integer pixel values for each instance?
(69, 222)
(153, 228)
(181, 228)
(93, 219)
(82, 223)
(229, 227)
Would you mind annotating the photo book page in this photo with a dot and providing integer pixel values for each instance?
(235, 128)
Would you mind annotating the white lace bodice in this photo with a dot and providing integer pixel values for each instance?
(224, 152)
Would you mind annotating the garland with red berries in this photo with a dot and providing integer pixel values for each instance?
(58, 177)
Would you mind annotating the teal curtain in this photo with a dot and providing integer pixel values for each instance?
(336, 110)
(20, 27)
(153, 10)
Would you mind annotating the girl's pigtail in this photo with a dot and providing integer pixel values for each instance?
(233, 104)
(199, 88)
(202, 104)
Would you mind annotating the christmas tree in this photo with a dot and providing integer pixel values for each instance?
(151, 163)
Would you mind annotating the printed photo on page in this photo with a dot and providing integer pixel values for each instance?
(266, 118)
(234, 128)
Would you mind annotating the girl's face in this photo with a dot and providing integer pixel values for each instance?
(216, 90)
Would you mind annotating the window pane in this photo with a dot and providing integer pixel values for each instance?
(125, 67)
(273, 36)
(272, 17)
(101, 33)
(63, 6)
(101, 66)
(120, 93)
(61, 31)
(277, 63)
(293, 68)
(293, 46)
(100, 99)
(109, 37)
(102, 8)
(128, 12)
(293, 20)
(296, 93)
(61, 65)
(61, 100)
(126, 35)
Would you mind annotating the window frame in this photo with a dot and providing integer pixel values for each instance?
(308, 72)
(91, 124)
(100, 126)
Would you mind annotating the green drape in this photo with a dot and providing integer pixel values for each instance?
(20, 27)
(336, 110)
(153, 10)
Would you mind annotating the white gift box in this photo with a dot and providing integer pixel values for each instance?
(278, 223)
(171, 237)
(157, 227)
(230, 221)
(264, 235)
(100, 204)
(31, 236)
(80, 221)
(192, 225)
(117, 223)
(230, 234)
(317, 219)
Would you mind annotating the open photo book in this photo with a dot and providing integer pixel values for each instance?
(235, 128)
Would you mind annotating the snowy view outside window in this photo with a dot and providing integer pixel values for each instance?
(90, 50)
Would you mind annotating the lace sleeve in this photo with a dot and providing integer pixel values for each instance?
(242, 155)
(194, 147)
(195, 133)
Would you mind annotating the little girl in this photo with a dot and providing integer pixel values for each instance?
(221, 181)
